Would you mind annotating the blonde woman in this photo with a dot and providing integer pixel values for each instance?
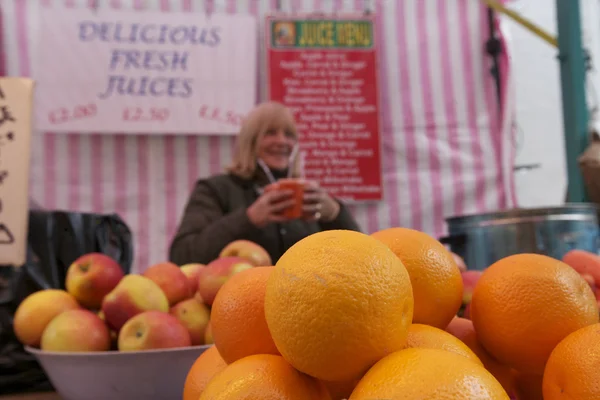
(233, 205)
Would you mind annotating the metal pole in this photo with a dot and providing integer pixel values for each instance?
(573, 73)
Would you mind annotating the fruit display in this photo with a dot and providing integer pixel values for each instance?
(343, 316)
(382, 316)
(102, 309)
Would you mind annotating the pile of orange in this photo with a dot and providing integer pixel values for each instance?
(344, 315)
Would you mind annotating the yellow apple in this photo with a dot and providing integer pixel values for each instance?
(133, 295)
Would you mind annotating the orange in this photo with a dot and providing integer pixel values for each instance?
(417, 374)
(204, 368)
(337, 302)
(237, 317)
(463, 329)
(572, 370)
(263, 376)
(524, 305)
(435, 277)
(428, 337)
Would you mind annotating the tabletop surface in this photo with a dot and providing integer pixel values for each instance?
(31, 396)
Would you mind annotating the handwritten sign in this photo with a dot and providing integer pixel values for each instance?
(325, 71)
(16, 97)
(144, 72)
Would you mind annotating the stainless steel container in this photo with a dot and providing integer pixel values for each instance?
(483, 239)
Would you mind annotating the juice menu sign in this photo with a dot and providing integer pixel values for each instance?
(325, 71)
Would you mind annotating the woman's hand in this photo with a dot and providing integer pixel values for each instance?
(318, 204)
(268, 207)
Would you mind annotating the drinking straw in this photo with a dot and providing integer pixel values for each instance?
(266, 170)
(292, 159)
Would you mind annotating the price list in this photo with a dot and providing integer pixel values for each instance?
(325, 71)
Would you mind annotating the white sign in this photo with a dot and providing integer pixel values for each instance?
(144, 72)
(16, 97)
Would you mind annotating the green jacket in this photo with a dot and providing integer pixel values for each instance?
(215, 216)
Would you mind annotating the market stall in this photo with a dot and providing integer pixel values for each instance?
(404, 113)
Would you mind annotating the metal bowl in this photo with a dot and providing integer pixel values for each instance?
(482, 239)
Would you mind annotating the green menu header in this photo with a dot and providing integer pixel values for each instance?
(311, 33)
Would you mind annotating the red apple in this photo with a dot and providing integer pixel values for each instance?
(153, 330)
(76, 331)
(192, 271)
(91, 277)
(467, 311)
(459, 262)
(470, 279)
(590, 280)
(171, 280)
(198, 297)
(194, 316)
(248, 250)
(584, 262)
(217, 273)
(133, 295)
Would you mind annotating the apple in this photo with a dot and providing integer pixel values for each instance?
(171, 280)
(76, 331)
(467, 311)
(36, 311)
(113, 334)
(208, 336)
(191, 271)
(217, 273)
(584, 262)
(463, 329)
(460, 262)
(590, 280)
(247, 250)
(153, 330)
(194, 316)
(133, 295)
(470, 279)
(198, 297)
(91, 277)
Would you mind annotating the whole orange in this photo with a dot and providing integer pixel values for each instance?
(237, 317)
(463, 329)
(572, 370)
(263, 376)
(524, 305)
(428, 374)
(435, 277)
(337, 302)
(429, 337)
(204, 368)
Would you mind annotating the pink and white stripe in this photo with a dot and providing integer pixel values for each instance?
(445, 150)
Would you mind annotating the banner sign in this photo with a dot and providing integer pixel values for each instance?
(16, 98)
(325, 71)
(144, 72)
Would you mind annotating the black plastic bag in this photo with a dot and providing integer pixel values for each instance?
(55, 240)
